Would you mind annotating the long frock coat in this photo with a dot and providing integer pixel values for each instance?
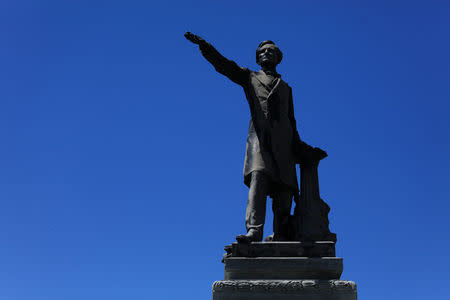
(273, 139)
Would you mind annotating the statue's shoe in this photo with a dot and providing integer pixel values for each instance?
(269, 238)
(280, 238)
(276, 238)
(251, 236)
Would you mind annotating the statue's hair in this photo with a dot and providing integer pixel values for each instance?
(268, 42)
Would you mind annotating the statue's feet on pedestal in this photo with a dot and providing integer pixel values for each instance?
(269, 238)
(276, 238)
(252, 235)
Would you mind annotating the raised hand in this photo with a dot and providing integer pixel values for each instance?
(319, 154)
(193, 38)
(308, 154)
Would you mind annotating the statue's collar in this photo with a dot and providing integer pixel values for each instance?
(271, 84)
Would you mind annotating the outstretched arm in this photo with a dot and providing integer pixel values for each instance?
(222, 65)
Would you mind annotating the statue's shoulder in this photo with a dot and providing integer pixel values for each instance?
(246, 71)
(255, 76)
(252, 73)
(285, 85)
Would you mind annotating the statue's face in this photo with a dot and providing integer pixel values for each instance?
(267, 55)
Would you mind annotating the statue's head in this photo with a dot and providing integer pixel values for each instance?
(268, 53)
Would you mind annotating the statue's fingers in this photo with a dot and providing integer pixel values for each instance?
(189, 36)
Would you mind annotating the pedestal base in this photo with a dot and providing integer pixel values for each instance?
(283, 271)
(284, 290)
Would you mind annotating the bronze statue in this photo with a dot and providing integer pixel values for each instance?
(273, 148)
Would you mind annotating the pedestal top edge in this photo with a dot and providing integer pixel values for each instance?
(282, 258)
(285, 243)
(285, 258)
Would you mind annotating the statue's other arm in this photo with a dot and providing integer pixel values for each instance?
(299, 146)
(222, 65)
(302, 150)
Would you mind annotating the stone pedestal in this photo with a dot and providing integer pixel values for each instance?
(281, 249)
(284, 290)
(283, 268)
(279, 271)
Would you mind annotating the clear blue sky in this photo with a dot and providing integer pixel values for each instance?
(122, 149)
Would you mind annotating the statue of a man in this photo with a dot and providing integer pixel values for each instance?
(273, 144)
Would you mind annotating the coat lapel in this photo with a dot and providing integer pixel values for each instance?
(263, 79)
(275, 87)
(266, 82)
